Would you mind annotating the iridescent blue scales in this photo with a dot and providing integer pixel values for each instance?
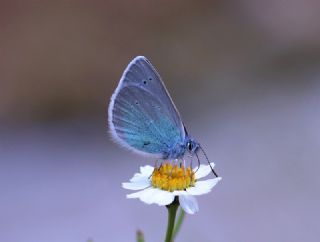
(142, 116)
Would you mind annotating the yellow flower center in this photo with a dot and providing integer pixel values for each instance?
(172, 177)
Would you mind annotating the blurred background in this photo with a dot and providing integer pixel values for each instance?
(245, 76)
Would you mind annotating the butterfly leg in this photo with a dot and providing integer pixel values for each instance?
(191, 161)
(156, 164)
(155, 167)
(174, 163)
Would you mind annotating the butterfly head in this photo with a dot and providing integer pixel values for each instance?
(192, 146)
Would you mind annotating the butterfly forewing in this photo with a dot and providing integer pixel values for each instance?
(142, 116)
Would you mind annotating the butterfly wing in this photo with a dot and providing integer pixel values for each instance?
(142, 116)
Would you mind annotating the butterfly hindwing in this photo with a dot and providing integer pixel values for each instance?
(142, 116)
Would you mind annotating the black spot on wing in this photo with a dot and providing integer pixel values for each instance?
(145, 143)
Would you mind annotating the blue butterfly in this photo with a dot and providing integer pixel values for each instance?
(143, 117)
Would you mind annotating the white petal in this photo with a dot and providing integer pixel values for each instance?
(189, 204)
(153, 195)
(203, 187)
(136, 185)
(163, 197)
(203, 170)
(180, 192)
(138, 177)
(146, 170)
(145, 174)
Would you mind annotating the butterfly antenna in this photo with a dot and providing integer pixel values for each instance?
(198, 162)
(208, 161)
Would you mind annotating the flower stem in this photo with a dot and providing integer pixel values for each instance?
(172, 211)
(178, 224)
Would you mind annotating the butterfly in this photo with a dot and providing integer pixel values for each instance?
(143, 118)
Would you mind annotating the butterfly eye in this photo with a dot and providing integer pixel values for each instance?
(190, 146)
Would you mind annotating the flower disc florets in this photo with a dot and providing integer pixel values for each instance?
(172, 177)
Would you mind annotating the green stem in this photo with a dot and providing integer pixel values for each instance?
(178, 223)
(172, 211)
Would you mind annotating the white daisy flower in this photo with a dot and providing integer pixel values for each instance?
(162, 184)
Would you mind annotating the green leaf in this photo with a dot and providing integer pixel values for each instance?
(140, 236)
